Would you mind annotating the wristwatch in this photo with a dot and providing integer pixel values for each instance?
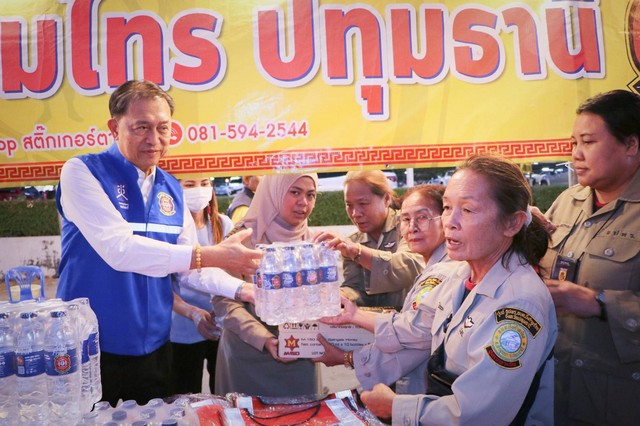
(601, 302)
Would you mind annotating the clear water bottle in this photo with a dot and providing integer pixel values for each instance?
(330, 285)
(78, 319)
(292, 280)
(31, 384)
(258, 290)
(271, 276)
(91, 349)
(311, 283)
(8, 405)
(61, 366)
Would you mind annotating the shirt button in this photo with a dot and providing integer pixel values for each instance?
(609, 252)
(386, 272)
(632, 323)
(587, 224)
(578, 363)
(635, 376)
(367, 374)
(570, 254)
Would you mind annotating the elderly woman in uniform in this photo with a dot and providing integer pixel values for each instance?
(593, 267)
(378, 265)
(422, 230)
(248, 360)
(490, 325)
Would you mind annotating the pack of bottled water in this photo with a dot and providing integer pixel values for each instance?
(49, 362)
(297, 282)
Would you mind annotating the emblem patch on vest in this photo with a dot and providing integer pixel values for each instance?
(165, 201)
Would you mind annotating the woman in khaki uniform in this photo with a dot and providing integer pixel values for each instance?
(593, 267)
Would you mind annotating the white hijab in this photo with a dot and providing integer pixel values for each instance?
(264, 216)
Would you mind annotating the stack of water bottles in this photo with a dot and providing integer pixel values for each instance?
(297, 282)
(49, 362)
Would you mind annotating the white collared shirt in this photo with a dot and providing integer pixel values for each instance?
(86, 205)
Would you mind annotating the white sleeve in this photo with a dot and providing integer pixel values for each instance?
(86, 205)
(214, 281)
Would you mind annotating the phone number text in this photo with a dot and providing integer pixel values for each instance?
(196, 133)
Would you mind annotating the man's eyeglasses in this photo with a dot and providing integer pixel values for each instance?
(420, 221)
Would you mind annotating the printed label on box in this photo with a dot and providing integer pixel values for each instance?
(299, 340)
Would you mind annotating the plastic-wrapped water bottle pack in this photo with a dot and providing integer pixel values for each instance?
(49, 361)
(297, 282)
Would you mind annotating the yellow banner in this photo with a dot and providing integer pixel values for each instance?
(263, 86)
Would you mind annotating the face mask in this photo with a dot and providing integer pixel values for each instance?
(197, 198)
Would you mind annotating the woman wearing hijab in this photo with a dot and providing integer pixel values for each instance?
(248, 360)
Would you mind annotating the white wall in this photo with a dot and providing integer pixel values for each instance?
(40, 251)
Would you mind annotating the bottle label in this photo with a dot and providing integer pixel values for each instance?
(30, 364)
(292, 279)
(329, 274)
(271, 281)
(94, 344)
(311, 277)
(85, 350)
(7, 362)
(257, 279)
(61, 363)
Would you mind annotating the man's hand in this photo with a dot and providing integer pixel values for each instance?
(379, 400)
(332, 354)
(571, 298)
(232, 255)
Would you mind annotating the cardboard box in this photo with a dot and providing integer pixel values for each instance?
(299, 340)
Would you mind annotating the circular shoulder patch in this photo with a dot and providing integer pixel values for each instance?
(508, 344)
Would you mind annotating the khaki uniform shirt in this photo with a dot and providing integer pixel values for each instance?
(495, 340)
(393, 269)
(598, 371)
(407, 367)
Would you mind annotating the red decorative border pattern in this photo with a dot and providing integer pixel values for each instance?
(337, 158)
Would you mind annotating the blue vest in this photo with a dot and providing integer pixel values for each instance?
(133, 310)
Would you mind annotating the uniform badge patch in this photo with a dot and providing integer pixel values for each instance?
(519, 316)
(165, 201)
(508, 344)
(425, 287)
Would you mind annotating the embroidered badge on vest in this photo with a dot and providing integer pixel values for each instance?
(167, 207)
(510, 339)
(425, 287)
(123, 201)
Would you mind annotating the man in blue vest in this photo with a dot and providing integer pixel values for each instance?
(125, 230)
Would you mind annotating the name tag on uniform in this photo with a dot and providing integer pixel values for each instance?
(565, 269)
